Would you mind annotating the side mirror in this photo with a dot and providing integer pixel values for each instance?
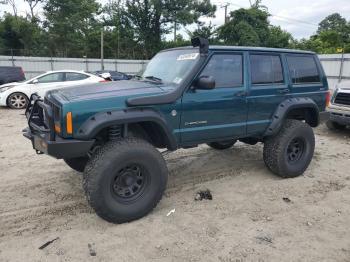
(205, 83)
(35, 81)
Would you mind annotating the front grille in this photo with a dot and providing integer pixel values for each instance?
(55, 109)
(342, 98)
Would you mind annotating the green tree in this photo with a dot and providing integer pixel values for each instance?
(153, 18)
(246, 27)
(69, 24)
(20, 35)
(278, 38)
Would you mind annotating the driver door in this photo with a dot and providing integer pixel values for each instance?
(47, 82)
(220, 113)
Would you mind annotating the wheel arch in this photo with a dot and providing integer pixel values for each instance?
(144, 123)
(304, 109)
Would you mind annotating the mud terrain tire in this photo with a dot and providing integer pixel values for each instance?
(289, 153)
(125, 179)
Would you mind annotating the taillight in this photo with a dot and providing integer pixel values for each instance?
(22, 71)
(104, 81)
(328, 98)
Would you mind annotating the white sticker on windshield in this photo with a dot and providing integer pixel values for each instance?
(177, 80)
(191, 56)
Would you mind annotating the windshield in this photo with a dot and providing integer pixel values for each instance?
(171, 66)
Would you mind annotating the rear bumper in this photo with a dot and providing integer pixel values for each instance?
(44, 140)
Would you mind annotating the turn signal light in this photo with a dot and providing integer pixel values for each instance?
(69, 121)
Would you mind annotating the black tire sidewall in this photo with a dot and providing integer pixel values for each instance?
(222, 145)
(297, 168)
(105, 169)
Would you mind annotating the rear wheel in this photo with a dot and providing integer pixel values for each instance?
(125, 179)
(221, 145)
(334, 125)
(289, 153)
(17, 101)
(78, 163)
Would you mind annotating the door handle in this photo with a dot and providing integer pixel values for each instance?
(283, 91)
(241, 93)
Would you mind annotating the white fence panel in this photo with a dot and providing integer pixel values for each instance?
(333, 64)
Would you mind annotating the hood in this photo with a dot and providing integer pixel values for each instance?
(10, 84)
(101, 91)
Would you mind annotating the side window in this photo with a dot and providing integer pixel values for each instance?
(303, 69)
(227, 70)
(266, 69)
(75, 76)
(51, 78)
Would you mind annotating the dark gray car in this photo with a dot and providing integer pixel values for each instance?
(10, 74)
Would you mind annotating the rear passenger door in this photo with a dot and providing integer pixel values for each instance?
(267, 88)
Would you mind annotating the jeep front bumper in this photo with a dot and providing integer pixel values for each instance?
(40, 131)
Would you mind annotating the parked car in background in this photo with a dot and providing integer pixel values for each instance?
(340, 107)
(112, 75)
(10, 74)
(16, 95)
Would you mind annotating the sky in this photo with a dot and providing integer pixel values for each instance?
(299, 17)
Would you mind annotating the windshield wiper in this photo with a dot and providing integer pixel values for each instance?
(153, 78)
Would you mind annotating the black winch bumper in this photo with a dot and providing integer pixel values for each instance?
(41, 132)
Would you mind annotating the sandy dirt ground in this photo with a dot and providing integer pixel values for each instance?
(249, 218)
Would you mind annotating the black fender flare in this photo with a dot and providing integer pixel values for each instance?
(92, 126)
(284, 108)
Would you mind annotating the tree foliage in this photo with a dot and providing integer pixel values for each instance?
(140, 28)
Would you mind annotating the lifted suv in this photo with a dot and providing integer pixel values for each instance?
(186, 96)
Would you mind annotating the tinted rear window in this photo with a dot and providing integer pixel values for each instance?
(303, 69)
(266, 69)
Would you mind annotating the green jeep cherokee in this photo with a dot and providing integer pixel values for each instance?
(185, 97)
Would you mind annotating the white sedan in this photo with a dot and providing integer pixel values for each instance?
(16, 95)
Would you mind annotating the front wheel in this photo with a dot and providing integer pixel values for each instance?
(289, 153)
(125, 179)
(17, 101)
(222, 145)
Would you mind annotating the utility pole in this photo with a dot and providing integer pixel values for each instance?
(102, 49)
(225, 6)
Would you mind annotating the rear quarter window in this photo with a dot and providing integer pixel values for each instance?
(303, 69)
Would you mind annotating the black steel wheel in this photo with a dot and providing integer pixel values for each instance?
(130, 182)
(125, 179)
(295, 149)
(289, 153)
